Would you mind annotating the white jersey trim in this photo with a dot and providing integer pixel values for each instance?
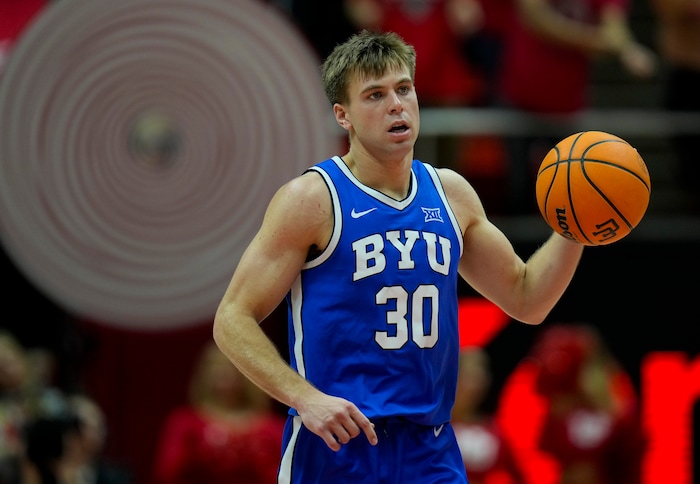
(337, 222)
(284, 476)
(297, 298)
(397, 204)
(438, 186)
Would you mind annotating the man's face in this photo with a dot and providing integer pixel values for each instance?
(382, 114)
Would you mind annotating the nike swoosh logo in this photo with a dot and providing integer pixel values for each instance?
(437, 430)
(355, 214)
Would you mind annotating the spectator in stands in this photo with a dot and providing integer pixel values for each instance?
(40, 434)
(226, 433)
(591, 427)
(52, 449)
(488, 457)
(483, 43)
(89, 464)
(436, 29)
(440, 31)
(42, 394)
(14, 370)
(547, 57)
(678, 30)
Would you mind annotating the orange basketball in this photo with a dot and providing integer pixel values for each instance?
(593, 187)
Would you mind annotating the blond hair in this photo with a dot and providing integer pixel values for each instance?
(365, 55)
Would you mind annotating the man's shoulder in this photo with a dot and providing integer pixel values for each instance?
(449, 178)
(306, 195)
(309, 183)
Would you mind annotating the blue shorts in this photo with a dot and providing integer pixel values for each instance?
(407, 453)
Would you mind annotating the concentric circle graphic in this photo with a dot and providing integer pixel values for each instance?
(140, 143)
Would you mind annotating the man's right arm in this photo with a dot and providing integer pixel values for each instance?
(298, 218)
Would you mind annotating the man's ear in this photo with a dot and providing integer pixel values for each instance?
(341, 116)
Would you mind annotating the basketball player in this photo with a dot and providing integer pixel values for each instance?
(367, 248)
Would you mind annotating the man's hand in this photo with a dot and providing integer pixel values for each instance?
(335, 420)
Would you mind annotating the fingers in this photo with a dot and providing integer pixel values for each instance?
(336, 421)
(330, 441)
(369, 431)
(337, 435)
(362, 424)
(341, 432)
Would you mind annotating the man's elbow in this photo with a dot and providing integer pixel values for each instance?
(218, 328)
(529, 316)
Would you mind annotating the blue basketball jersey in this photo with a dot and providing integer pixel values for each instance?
(373, 318)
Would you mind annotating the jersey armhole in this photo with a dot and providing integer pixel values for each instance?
(337, 221)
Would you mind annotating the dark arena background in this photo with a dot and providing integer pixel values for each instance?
(135, 167)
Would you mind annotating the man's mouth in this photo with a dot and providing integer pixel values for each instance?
(399, 128)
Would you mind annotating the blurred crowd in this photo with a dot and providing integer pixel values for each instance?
(226, 432)
(591, 427)
(48, 435)
(535, 57)
(581, 403)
